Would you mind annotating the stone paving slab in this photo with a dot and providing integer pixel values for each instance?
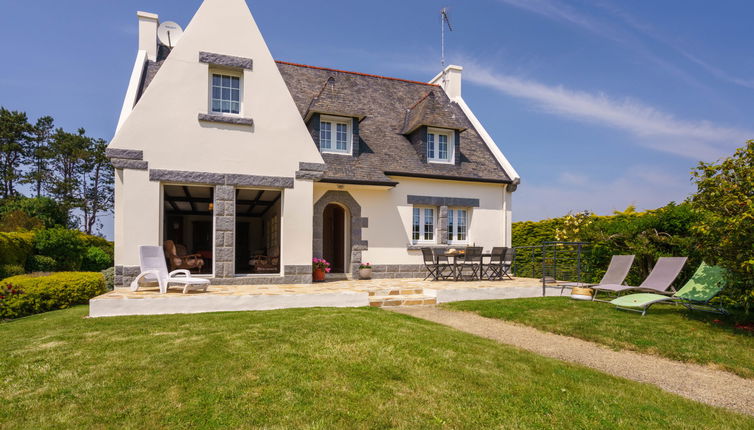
(326, 287)
(344, 293)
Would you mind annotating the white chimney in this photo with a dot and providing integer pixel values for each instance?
(148, 33)
(450, 81)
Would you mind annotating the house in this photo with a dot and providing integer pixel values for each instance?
(257, 166)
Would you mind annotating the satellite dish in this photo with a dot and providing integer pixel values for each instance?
(168, 33)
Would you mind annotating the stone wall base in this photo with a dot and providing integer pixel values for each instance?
(299, 274)
(394, 271)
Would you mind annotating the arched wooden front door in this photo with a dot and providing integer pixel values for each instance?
(334, 237)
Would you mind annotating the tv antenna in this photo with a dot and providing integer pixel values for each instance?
(444, 20)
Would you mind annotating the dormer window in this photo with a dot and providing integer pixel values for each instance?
(226, 94)
(335, 135)
(440, 146)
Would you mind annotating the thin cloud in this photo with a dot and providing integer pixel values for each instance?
(560, 12)
(654, 129)
(638, 185)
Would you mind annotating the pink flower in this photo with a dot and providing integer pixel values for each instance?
(327, 270)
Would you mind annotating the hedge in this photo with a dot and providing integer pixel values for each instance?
(53, 249)
(16, 248)
(46, 293)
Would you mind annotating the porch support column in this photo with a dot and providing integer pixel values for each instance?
(225, 225)
(442, 225)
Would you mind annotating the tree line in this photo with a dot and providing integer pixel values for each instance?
(47, 161)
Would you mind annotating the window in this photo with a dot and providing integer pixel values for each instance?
(423, 227)
(458, 225)
(440, 146)
(226, 94)
(335, 135)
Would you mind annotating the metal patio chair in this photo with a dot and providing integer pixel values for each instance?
(494, 269)
(472, 259)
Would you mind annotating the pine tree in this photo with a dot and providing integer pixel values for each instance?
(14, 141)
(39, 155)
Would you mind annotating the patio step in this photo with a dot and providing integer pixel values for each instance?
(397, 291)
(402, 300)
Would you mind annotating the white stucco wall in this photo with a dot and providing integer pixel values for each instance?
(296, 224)
(164, 123)
(390, 216)
(138, 214)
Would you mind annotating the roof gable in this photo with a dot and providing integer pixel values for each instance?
(169, 121)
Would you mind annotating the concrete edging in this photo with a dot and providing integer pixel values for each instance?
(200, 303)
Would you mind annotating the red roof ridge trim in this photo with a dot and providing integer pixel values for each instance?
(420, 100)
(356, 73)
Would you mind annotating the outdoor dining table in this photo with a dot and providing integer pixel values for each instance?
(452, 256)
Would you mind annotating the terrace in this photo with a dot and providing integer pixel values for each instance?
(340, 293)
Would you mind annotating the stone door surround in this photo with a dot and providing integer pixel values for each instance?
(345, 199)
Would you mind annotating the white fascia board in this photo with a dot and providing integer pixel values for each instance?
(507, 166)
(133, 88)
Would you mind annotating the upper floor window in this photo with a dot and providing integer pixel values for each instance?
(457, 225)
(423, 225)
(440, 146)
(335, 135)
(226, 94)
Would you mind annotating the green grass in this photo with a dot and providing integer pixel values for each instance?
(667, 330)
(313, 368)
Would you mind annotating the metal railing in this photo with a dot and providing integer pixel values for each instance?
(552, 262)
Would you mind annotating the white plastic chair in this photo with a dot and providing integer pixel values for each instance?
(153, 268)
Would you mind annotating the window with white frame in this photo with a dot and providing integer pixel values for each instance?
(335, 135)
(226, 94)
(423, 225)
(440, 146)
(458, 222)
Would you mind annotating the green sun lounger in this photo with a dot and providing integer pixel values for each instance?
(706, 283)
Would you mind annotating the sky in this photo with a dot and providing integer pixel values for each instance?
(598, 104)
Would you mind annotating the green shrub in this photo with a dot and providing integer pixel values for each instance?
(49, 212)
(15, 248)
(109, 275)
(19, 221)
(8, 270)
(95, 260)
(65, 246)
(51, 292)
(41, 263)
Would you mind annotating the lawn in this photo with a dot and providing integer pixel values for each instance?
(307, 368)
(666, 330)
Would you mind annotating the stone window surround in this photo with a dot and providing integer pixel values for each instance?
(358, 245)
(225, 60)
(126, 158)
(442, 214)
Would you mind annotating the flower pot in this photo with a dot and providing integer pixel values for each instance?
(365, 273)
(318, 275)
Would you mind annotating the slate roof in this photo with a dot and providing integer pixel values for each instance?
(390, 109)
(431, 112)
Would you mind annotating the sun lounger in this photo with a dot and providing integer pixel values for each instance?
(659, 281)
(154, 269)
(706, 283)
(616, 273)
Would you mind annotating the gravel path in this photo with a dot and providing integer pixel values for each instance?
(713, 387)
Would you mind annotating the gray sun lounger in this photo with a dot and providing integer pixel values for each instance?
(615, 275)
(659, 280)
